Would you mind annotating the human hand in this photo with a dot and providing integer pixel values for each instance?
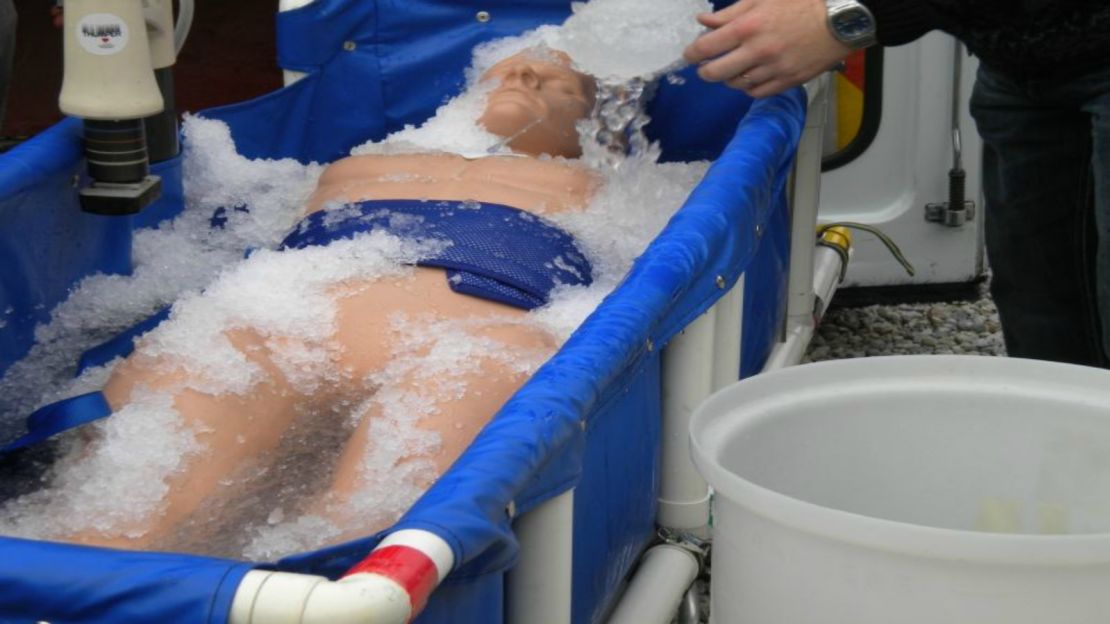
(763, 47)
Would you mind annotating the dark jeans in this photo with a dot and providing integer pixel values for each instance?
(1046, 178)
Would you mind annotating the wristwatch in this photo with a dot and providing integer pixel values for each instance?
(851, 23)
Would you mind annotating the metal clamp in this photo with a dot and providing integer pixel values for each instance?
(944, 214)
(697, 546)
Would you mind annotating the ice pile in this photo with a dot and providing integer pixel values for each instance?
(427, 372)
(108, 487)
(618, 40)
(454, 129)
(424, 382)
(178, 257)
(143, 448)
(626, 45)
(123, 469)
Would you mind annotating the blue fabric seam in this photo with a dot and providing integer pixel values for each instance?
(212, 615)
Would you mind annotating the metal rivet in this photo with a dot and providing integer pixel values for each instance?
(720, 281)
(759, 230)
(650, 345)
(482, 16)
(349, 46)
(511, 509)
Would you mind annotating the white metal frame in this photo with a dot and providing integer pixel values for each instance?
(805, 196)
(538, 588)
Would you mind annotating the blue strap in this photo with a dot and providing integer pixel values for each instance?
(122, 344)
(50, 420)
(57, 417)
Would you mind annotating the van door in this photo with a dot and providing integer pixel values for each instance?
(890, 146)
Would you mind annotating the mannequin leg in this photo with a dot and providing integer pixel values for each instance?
(233, 430)
(445, 414)
(382, 325)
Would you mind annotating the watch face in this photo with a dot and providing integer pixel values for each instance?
(853, 23)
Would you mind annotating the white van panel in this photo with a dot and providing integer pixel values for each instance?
(906, 167)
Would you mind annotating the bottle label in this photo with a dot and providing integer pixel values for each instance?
(102, 34)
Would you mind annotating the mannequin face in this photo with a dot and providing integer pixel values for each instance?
(538, 98)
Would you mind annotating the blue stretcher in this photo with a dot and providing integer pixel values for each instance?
(606, 376)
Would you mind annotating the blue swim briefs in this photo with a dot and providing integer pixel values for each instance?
(495, 252)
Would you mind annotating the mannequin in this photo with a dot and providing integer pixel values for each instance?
(536, 102)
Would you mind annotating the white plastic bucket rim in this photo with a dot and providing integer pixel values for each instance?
(714, 418)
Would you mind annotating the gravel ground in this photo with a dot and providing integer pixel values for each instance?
(967, 327)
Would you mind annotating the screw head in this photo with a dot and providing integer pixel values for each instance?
(349, 46)
(720, 281)
(482, 16)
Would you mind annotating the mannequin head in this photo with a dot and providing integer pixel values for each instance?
(537, 101)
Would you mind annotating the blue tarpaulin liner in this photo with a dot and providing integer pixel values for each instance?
(588, 419)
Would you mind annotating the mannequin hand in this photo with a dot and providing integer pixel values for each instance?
(764, 47)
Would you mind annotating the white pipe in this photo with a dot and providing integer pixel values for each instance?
(538, 588)
(790, 351)
(804, 200)
(805, 195)
(665, 573)
(290, 76)
(826, 279)
(726, 336)
(285, 598)
(687, 381)
(705, 358)
(378, 597)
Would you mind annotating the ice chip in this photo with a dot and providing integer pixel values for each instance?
(616, 40)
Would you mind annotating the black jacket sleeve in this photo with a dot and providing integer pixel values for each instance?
(902, 21)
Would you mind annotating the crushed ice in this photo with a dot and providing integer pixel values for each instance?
(117, 473)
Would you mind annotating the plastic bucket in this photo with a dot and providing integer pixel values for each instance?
(905, 490)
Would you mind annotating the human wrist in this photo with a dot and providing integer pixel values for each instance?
(901, 21)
